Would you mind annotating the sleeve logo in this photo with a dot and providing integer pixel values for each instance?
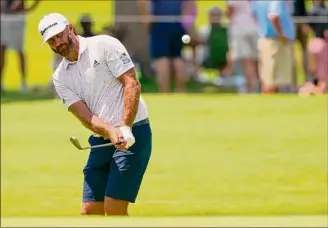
(125, 58)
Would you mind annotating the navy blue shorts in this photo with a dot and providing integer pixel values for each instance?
(165, 41)
(115, 173)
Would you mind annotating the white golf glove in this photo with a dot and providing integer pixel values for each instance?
(128, 136)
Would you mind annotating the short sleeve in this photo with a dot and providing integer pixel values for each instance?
(117, 57)
(276, 7)
(67, 96)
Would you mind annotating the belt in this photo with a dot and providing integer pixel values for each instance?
(139, 123)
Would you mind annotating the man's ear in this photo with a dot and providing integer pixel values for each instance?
(71, 29)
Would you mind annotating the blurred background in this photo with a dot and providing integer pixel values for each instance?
(222, 54)
(214, 153)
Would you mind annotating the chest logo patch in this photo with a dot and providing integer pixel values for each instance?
(124, 58)
(95, 63)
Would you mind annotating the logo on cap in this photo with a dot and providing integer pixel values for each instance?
(49, 26)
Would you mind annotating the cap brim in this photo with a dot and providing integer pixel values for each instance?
(53, 32)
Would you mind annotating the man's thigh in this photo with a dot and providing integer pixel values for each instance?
(5, 32)
(128, 167)
(252, 40)
(284, 64)
(176, 44)
(18, 34)
(268, 53)
(13, 32)
(96, 171)
(239, 45)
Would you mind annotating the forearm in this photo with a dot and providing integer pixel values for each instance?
(132, 92)
(90, 121)
(229, 12)
(98, 126)
(143, 7)
(276, 24)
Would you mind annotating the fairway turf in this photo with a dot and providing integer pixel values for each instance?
(235, 221)
(212, 155)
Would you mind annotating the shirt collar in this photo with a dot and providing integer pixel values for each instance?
(82, 48)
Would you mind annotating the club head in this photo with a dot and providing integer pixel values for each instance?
(75, 142)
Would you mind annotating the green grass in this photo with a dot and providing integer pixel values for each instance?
(213, 155)
(228, 221)
(261, 160)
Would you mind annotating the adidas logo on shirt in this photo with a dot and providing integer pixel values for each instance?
(95, 63)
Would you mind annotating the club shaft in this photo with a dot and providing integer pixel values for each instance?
(98, 146)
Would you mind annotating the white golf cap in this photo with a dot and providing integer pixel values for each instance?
(51, 25)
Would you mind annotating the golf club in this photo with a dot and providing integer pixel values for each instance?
(74, 140)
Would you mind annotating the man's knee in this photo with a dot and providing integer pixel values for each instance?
(179, 67)
(162, 66)
(115, 206)
(93, 208)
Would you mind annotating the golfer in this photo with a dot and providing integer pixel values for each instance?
(97, 82)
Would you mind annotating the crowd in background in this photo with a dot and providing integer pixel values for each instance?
(13, 33)
(250, 45)
(257, 44)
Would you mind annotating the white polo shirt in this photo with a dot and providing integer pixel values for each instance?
(93, 78)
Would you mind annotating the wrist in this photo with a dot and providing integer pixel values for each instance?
(125, 124)
(108, 133)
(127, 135)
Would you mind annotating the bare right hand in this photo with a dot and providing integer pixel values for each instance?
(115, 135)
(283, 39)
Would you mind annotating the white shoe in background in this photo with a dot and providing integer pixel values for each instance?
(240, 84)
(202, 78)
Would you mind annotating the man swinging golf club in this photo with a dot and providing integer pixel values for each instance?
(96, 81)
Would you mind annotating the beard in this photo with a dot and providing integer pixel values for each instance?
(65, 48)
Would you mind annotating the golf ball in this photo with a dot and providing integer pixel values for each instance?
(185, 39)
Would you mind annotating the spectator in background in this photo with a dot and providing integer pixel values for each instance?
(86, 24)
(277, 32)
(299, 10)
(319, 9)
(243, 40)
(317, 52)
(189, 16)
(214, 51)
(13, 32)
(318, 65)
(165, 41)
